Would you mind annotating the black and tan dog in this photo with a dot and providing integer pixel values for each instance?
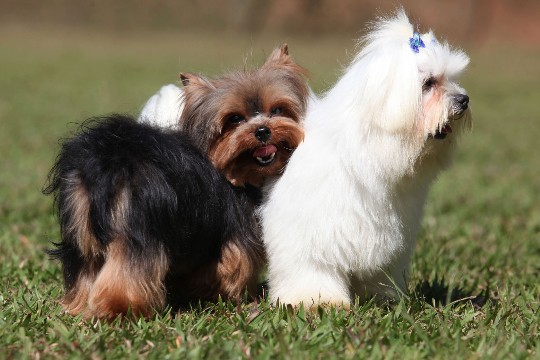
(152, 217)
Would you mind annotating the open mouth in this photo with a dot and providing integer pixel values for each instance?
(441, 134)
(265, 155)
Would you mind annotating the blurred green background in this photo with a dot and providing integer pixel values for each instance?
(62, 61)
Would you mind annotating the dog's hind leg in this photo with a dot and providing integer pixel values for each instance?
(238, 269)
(128, 281)
(133, 273)
(229, 276)
(80, 252)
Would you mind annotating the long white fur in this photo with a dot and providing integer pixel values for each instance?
(342, 220)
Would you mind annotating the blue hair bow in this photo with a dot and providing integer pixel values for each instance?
(416, 43)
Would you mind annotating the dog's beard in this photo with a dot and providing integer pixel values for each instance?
(444, 112)
(445, 122)
(456, 122)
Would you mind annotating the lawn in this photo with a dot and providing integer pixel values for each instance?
(474, 290)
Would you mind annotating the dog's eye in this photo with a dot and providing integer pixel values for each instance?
(277, 110)
(429, 83)
(235, 118)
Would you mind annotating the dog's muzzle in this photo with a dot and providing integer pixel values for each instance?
(459, 105)
(266, 153)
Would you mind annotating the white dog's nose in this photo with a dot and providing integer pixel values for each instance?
(462, 100)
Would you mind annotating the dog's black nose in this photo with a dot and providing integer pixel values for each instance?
(263, 134)
(462, 100)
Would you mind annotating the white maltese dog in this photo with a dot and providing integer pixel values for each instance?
(342, 220)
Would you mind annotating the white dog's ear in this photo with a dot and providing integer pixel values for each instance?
(392, 93)
(393, 90)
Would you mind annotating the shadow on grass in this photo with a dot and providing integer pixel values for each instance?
(439, 293)
(436, 292)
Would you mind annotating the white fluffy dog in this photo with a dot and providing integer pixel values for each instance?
(342, 220)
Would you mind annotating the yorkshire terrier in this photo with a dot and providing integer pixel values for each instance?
(151, 216)
(342, 220)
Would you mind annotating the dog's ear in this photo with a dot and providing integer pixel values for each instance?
(280, 57)
(195, 80)
(196, 118)
(393, 90)
(196, 89)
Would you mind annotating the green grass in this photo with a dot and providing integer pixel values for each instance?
(474, 290)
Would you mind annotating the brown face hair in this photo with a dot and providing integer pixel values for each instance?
(248, 122)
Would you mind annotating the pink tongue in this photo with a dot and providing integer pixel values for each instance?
(265, 151)
(446, 129)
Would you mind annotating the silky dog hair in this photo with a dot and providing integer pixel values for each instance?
(150, 216)
(146, 220)
(343, 219)
(234, 117)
